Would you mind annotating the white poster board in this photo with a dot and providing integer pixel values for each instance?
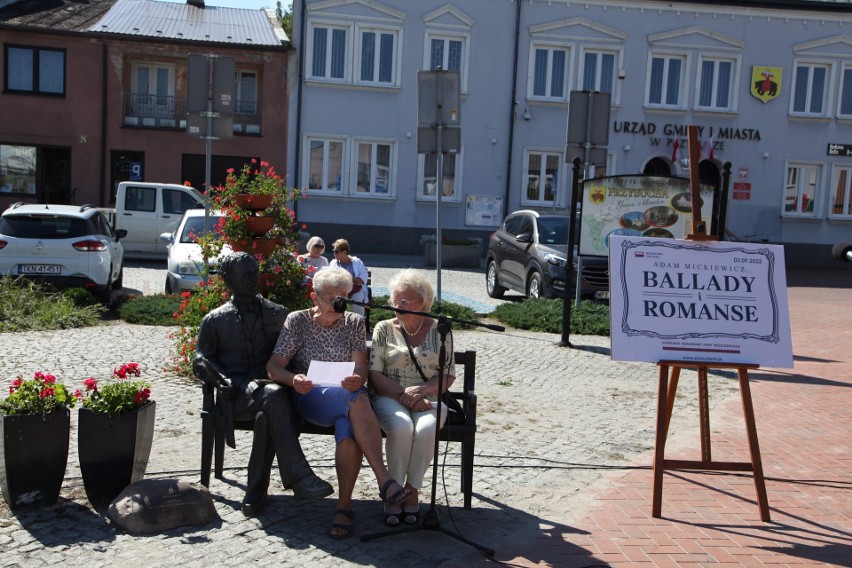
(638, 206)
(483, 210)
(706, 302)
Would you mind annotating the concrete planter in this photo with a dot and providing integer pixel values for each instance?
(453, 256)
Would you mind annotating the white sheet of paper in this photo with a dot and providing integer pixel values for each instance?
(328, 373)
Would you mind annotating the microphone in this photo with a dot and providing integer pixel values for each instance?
(339, 304)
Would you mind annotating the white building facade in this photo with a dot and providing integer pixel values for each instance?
(769, 84)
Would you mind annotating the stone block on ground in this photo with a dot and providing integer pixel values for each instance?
(156, 505)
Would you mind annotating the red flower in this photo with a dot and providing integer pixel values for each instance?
(39, 376)
(49, 379)
(91, 384)
(230, 170)
(141, 396)
(16, 384)
(46, 392)
(78, 394)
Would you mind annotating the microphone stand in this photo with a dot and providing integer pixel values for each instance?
(431, 520)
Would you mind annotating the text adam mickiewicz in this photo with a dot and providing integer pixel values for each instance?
(724, 310)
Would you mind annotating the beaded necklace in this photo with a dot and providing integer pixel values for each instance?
(416, 331)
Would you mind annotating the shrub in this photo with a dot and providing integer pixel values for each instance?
(448, 309)
(26, 305)
(150, 310)
(80, 297)
(545, 315)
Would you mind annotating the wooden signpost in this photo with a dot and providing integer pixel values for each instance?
(667, 389)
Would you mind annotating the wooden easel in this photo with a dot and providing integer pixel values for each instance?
(667, 389)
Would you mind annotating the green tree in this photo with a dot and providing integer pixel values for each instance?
(285, 16)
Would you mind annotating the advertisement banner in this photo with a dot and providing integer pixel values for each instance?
(699, 301)
(638, 206)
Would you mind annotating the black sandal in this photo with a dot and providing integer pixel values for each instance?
(393, 519)
(347, 529)
(398, 496)
(411, 517)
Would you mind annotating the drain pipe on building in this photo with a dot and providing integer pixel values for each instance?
(512, 106)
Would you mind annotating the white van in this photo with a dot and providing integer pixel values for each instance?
(147, 210)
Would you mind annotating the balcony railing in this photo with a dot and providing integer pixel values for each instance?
(169, 113)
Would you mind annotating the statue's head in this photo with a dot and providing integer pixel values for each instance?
(240, 273)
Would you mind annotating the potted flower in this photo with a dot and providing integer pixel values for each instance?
(455, 252)
(115, 429)
(35, 423)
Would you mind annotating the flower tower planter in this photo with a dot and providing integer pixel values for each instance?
(33, 456)
(113, 450)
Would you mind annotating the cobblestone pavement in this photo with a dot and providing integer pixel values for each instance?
(553, 424)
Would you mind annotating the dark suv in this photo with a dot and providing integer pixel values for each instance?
(528, 254)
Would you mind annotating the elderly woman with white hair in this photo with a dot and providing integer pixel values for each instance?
(323, 334)
(404, 370)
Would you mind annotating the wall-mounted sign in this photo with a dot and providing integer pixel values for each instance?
(741, 190)
(840, 149)
(765, 82)
(742, 172)
(705, 302)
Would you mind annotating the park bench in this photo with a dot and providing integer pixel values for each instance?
(213, 439)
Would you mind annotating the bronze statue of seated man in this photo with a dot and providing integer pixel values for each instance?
(234, 343)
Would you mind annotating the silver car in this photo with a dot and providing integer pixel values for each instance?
(64, 245)
(185, 260)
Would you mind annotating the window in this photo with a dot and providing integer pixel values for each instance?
(549, 69)
(328, 53)
(810, 89)
(140, 199)
(348, 166)
(449, 53)
(800, 192)
(175, 201)
(377, 61)
(841, 193)
(666, 80)
(716, 84)
(374, 168)
(542, 177)
(35, 70)
(153, 90)
(353, 53)
(325, 170)
(845, 110)
(18, 169)
(246, 92)
(428, 179)
(599, 71)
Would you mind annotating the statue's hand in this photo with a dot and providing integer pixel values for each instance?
(226, 389)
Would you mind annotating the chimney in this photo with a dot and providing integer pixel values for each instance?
(196, 3)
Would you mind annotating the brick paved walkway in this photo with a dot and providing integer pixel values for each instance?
(804, 424)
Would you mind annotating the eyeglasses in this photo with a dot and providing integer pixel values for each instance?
(335, 251)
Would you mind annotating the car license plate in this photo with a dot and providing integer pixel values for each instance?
(39, 269)
(602, 295)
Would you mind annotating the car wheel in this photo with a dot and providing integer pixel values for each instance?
(119, 282)
(491, 285)
(169, 290)
(534, 285)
